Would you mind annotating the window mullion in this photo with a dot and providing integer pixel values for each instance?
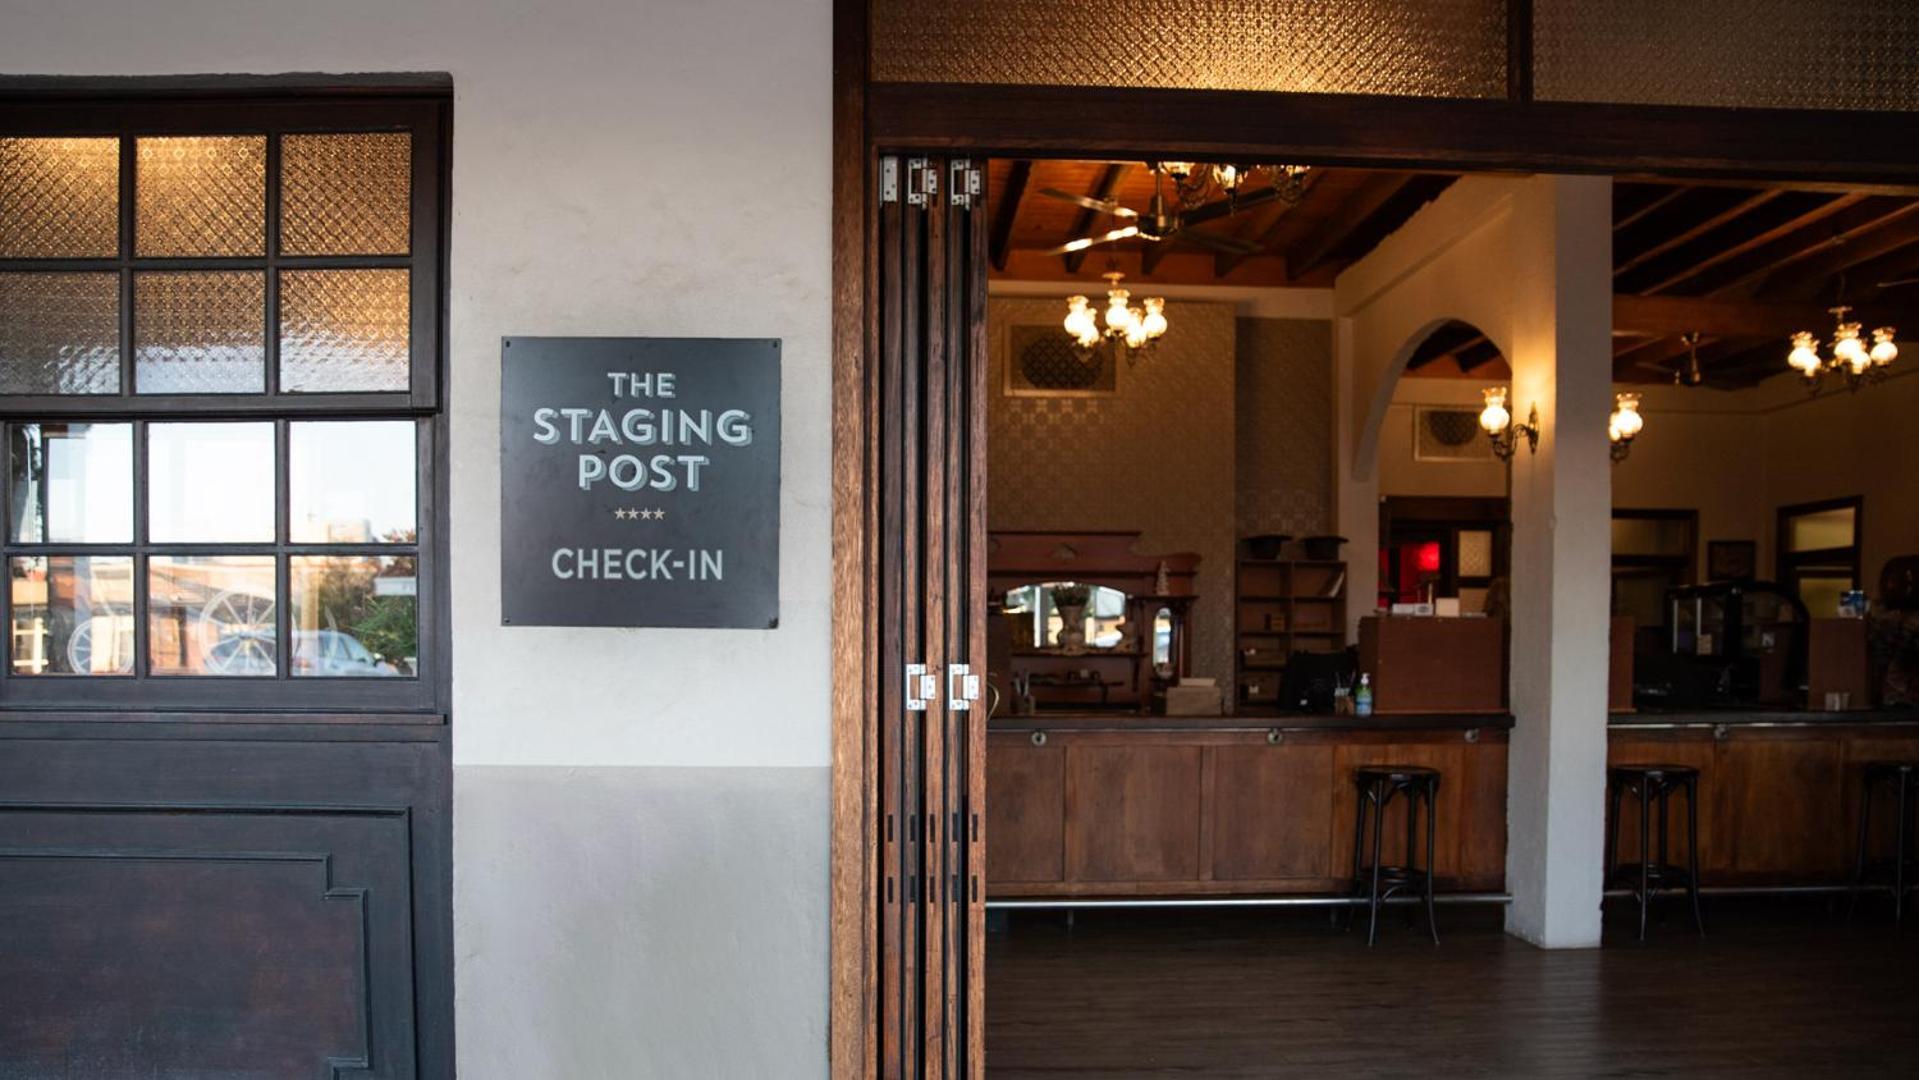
(141, 623)
(282, 529)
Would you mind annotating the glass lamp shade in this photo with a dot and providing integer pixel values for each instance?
(1626, 421)
(1848, 348)
(1155, 318)
(1884, 351)
(1804, 358)
(1118, 315)
(1494, 418)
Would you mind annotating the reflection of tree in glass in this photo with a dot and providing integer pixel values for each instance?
(349, 601)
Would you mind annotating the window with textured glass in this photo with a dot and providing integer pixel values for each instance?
(218, 342)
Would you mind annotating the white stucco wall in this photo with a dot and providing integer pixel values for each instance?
(620, 167)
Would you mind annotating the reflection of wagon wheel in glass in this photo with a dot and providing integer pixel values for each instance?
(239, 627)
(102, 644)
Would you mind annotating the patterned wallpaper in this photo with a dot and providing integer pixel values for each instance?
(1157, 456)
(1285, 420)
(1225, 430)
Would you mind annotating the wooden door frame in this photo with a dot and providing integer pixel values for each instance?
(1849, 149)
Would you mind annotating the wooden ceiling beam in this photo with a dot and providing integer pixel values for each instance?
(1652, 206)
(1004, 215)
(1741, 272)
(1344, 222)
(1687, 234)
(1664, 281)
(1445, 341)
(1724, 317)
(1109, 181)
(1476, 354)
(1809, 275)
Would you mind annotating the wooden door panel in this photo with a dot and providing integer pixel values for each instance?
(1132, 813)
(1785, 806)
(1025, 811)
(225, 899)
(1272, 807)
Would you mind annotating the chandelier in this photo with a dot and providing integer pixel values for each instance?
(1134, 329)
(1624, 425)
(1199, 183)
(1850, 357)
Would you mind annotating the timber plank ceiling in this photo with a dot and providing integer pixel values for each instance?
(1740, 266)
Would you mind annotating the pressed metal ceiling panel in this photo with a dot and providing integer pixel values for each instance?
(1844, 54)
(1437, 48)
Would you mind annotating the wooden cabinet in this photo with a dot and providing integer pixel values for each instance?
(1220, 811)
(1778, 805)
(1423, 664)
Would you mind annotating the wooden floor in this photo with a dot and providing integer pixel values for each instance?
(1779, 989)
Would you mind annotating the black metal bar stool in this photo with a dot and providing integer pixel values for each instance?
(1377, 785)
(1901, 779)
(1653, 786)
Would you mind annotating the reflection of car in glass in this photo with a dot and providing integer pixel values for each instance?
(330, 652)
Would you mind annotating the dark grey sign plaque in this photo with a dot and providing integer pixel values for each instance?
(640, 482)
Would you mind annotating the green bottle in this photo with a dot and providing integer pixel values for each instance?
(1363, 697)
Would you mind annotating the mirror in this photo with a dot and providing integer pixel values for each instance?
(1068, 615)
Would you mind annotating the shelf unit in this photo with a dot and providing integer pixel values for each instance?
(1283, 606)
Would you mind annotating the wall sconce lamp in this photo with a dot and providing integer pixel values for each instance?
(1625, 424)
(1497, 422)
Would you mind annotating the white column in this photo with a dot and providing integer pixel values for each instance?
(1561, 274)
(1355, 498)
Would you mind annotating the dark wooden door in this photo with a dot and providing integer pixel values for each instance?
(929, 424)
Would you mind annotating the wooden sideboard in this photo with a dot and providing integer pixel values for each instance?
(1090, 807)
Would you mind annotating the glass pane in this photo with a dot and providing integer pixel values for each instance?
(60, 333)
(1821, 530)
(201, 195)
(346, 194)
(210, 483)
(1475, 553)
(59, 198)
(211, 614)
(72, 615)
(355, 615)
(200, 332)
(1820, 593)
(352, 482)
(343, 330)
(71, 483)
(1438, 48)
(1651, 536)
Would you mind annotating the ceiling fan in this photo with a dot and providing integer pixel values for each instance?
(1158, 225)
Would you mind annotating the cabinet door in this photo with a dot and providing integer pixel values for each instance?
(1132, 813)
(1272, 811)
(1025, 812)
(1785, 806)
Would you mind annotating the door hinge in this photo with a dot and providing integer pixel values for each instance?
(966, 183)
(922, 181)
(922, 686)
(889, 180)
(962, 687)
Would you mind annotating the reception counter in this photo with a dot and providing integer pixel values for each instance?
(1101, 806)
(1778, 789)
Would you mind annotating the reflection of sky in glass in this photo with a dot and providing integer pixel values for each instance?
(351, 481)
(210, 483)
(86, 490)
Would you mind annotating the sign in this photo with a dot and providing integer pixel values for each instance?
(640, 482)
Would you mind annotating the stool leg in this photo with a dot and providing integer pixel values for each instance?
(1665, 852)
(1692, 853)
(1614, 795)
(1645, 852)
(1432, 812)
(1379, 829)
(1899, 852)
(1412, 844)
(1865, 846)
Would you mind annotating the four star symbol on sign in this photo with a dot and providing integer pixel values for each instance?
(632, 514)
